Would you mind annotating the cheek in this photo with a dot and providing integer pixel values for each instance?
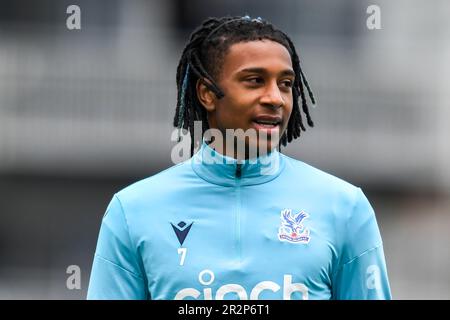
(232, 110)
(288, 106)
(228, 114)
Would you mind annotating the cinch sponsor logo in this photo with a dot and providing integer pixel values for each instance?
(288, 289)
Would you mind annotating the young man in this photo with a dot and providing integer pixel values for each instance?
(226, 224)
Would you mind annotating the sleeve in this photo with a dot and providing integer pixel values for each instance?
(117, 272)
(362, 275)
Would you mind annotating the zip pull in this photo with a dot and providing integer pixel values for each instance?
(238, 170)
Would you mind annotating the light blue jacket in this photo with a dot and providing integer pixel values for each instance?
(212, 228)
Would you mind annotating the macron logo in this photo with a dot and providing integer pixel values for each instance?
(181, 230)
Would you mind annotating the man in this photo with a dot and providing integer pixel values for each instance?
(229, 224)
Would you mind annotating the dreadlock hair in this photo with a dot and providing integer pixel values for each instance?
(203, 57)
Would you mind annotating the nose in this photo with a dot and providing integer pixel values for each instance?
(272, 96)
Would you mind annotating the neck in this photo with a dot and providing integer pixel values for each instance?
(240, 151)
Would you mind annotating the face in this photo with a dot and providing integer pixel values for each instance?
(257, 79)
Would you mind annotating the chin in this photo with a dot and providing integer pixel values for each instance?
(270, 147)
(257, 145)
(263, 147)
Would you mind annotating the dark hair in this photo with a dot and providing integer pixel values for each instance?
(203, 56)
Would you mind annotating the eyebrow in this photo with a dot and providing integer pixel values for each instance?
(288, 72)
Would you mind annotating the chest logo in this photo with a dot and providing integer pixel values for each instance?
(181, 230)
(292, 228)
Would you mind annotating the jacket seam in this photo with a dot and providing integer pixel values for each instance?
(127, 226)
(356, 258)
(118, 266)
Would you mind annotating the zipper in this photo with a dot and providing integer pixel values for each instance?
(238, 170)
(238, 176)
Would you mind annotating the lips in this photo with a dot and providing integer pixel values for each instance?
(267, 122)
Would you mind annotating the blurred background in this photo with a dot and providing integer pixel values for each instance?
(84, 113)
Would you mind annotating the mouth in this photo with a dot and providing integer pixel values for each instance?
(267, 123)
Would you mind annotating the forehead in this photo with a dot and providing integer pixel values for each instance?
(266, 54)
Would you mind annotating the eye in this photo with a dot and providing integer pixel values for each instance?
(287, 83)
(255, 80)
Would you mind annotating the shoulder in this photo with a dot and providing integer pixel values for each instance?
(157, 184)
(340, 200)
(343, 204)
(318, 179)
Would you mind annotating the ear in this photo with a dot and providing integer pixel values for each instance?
(206, 97)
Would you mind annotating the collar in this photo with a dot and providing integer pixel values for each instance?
(217, 168)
